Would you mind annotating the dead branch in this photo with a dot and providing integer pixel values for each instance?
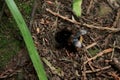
(65, 18)
(86, 25)
(102, 28)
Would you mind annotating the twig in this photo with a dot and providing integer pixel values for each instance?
(106, 41)
(88, 10)
(33, 13)
(97, 70)
(56, 20)
(86, 50)
(84, 71)
(118, 47)
(112, 55)
(114, 75)
(116, 19)
(95, 41)
(91, 45)
(89, 63)
(102, 28)
(86, 25)
(99, 54)
(6, 73)
(53, 69)
(65, 18)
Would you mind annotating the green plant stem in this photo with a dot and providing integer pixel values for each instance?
(37, 63)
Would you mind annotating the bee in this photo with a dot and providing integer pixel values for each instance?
(77, 39)
(69, 39)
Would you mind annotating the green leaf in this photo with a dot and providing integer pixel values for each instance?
(37, 63)
(77, 7)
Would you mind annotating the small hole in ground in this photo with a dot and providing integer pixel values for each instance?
(62, 38)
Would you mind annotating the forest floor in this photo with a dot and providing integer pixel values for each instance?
(53, 24)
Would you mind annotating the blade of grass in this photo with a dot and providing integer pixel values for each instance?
(77, 7)
(37, 63)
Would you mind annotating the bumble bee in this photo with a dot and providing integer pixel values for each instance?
(78, 38)
(69, 39)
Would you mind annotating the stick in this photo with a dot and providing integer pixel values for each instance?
(91, 45)
(65, 18)
(86, 25)
(97, 70)
(99, 54)
(102, 28)
(33, 13)
(84, 71)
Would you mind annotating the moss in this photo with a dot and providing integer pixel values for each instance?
(10, 43)
(93, 51)
(9, 46)
(25, 7)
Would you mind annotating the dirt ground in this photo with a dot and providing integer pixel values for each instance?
(52, 29)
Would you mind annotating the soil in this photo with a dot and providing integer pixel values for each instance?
(53, 37)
